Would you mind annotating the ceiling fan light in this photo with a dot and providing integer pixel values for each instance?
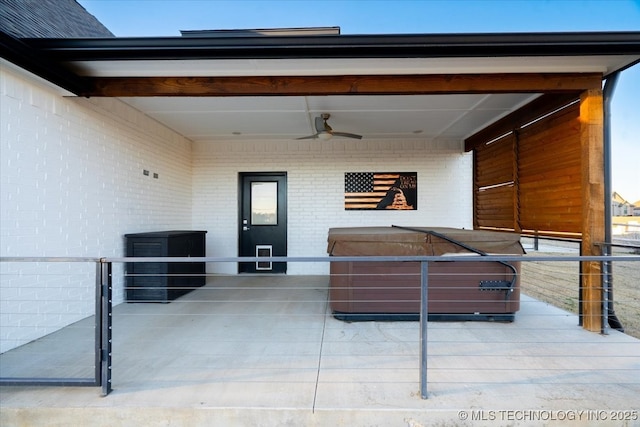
(325, 136)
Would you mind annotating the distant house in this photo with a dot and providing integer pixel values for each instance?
(621, 207)
(625, 224)
(104, 136)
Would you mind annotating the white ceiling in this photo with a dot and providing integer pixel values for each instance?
(451, 117)
(427, 117)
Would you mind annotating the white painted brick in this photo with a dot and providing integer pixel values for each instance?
(316, 189)
(72, 185)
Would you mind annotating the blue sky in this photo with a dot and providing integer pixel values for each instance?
(143, 18)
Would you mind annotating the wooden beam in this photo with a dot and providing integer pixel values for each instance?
(344, 85)
(592, 149)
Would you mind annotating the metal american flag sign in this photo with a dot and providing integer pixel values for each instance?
(381, 190)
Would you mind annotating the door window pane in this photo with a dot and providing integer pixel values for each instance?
(264, 203)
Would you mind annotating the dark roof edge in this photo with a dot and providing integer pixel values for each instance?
(15, 51)
(343, 46)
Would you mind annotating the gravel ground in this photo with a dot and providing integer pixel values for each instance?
(556, 282)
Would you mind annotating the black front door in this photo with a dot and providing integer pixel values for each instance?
(263, 220)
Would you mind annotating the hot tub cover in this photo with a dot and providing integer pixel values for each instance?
(396, 241)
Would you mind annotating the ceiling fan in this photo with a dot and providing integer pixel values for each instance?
(324, 131)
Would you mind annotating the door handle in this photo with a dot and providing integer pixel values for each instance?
(245, 228)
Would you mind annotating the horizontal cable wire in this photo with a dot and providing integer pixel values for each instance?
(276, 328)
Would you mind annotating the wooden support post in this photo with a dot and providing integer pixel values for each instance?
(592, 143)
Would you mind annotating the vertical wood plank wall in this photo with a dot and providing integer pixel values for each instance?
(494, 185)
(546, 177)
(549, 174)
(542, 192)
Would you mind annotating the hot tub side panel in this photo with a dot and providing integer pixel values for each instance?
(394, 288)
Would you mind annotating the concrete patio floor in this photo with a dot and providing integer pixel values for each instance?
(254, 350)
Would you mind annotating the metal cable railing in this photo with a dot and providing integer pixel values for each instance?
(253, 317)
(53, 313)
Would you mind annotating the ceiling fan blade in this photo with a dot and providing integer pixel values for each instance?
(324, 131)
(347, 135)
(320, 124)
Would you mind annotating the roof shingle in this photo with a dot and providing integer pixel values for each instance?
(49, 19)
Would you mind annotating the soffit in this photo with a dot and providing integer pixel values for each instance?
(344, 66)
(423, 116)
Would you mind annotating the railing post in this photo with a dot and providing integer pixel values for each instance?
(106, 291)
(580, 305)
(606, 286)
(98, 326)
(424, 317)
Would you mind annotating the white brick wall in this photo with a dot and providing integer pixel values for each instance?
(315, 174)
(72, 184)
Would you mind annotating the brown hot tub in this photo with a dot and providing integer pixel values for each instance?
(469, 290)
